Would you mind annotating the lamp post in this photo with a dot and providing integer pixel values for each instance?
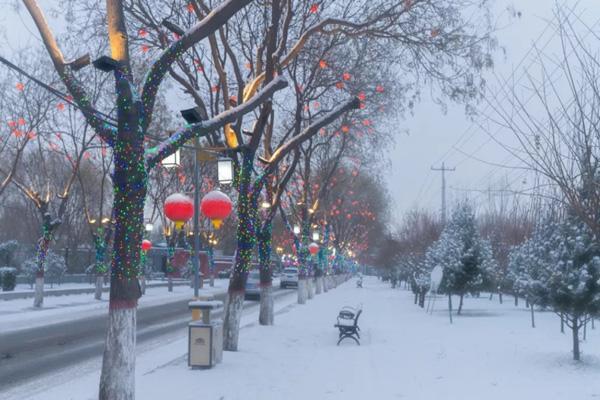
(224, 176)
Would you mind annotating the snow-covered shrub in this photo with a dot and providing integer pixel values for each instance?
(8, 278)
(7, 250)
(55, 267)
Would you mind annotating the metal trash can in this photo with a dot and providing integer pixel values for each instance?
(205, 337)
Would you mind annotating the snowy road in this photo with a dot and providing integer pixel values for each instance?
(26, 354)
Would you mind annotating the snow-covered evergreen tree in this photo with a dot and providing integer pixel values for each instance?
(573, 280)
(462, 253)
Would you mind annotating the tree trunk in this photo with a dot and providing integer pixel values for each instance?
(532, 316)
(416, 298)
(310, 287)
(325, 283)
(42, 251)
(143, 284)
(302, 291)
(233, 315)
(491, 296)
(516, 300)
(266, 314)
(170, 283)
(319, 285)
(422, 294)
(500, 297)
(118, 364)
(247, 206)
(117, 380)
(99, 284)
(450, 307)
(38, 300)
(562, 323)
(264, 236)
(460, 304)
(575, 329)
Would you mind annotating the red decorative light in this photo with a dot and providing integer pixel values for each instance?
(216, 206)
(179, 208)
(346, 76)
(314, 9)
(146, 245)
(313, 248)
(323, 64)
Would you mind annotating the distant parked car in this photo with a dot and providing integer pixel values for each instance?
(289, 277)
(224, 274)
(253, 285)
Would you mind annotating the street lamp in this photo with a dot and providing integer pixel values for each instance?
(225, 170)
(315, 236)
(172, 161)
(265, 205)
(149, 227)
(296, 230)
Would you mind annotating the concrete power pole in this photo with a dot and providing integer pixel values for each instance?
(443, 169)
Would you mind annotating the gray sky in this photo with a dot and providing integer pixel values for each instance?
(435, 137)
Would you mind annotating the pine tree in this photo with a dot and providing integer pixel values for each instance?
(573, 288)
(463, 254)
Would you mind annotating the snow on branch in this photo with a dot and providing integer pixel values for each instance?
(213, 21)
(76, 89)
(310, 131)
(181, 136)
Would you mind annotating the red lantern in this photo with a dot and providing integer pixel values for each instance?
(179, 208)
(216, 206)
(146, 245)
(313, 248)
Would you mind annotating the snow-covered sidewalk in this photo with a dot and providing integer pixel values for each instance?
(490, 352)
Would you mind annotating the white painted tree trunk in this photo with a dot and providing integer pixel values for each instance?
(325, 284)
(143, 284)
(311, 287)
(319, 285)
(302, 291)
(99, 284)
(38, 300)
(266, 316)
(170, 283)
(118, 364)
(231, 323)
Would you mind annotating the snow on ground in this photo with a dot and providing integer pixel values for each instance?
(490, 352)
(19, 313)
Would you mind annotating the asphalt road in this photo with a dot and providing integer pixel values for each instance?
(29, 354)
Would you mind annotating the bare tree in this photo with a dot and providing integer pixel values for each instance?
(555, 120)
(132, 161)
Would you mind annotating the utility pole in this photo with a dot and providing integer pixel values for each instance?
(443, 169)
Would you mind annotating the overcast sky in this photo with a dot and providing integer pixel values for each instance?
(436, 137)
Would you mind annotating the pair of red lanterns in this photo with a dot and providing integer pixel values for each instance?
(215, 206)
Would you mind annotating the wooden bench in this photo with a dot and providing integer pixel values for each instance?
(347, 323)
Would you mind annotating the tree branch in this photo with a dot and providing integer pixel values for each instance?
(213, 21)
(170, 145)
(311, 130)
(80, 96)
